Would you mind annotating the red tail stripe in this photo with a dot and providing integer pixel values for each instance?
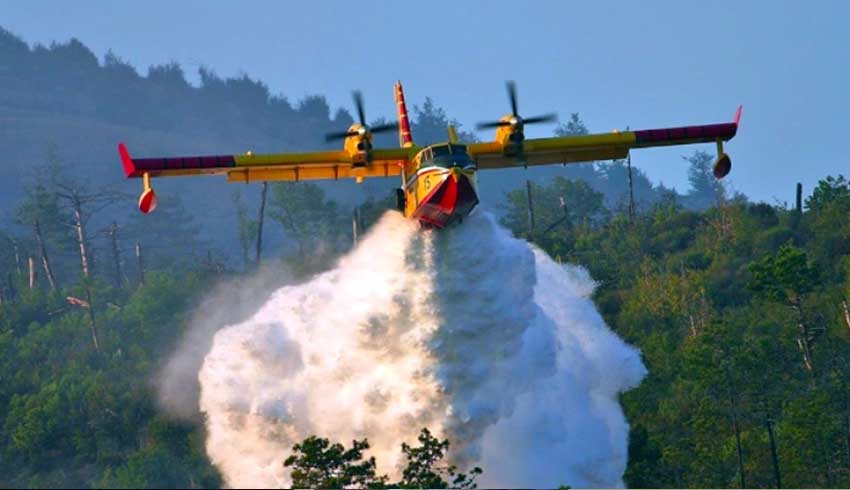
(403, 122)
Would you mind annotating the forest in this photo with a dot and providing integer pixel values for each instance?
(740, 309)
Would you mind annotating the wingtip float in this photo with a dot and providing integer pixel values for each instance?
(147, 201)
(438, 181)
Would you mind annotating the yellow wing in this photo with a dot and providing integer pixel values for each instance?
(590, 147)
(319, 165)
(250, 167)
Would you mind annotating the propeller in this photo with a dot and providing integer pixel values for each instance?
(517, 123)
(515, 119)
(361, 117)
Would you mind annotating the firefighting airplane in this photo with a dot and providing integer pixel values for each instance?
(438, 184)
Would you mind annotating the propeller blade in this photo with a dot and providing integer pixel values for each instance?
(383, 128)
(541, 119)
(358, 103)
(339, 135)
(494, 124)
(512, 96)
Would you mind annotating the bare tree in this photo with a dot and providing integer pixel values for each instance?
(31, 262)
(93, 323)
(45, 260)
(83, 205)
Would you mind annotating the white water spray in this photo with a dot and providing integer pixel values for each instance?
(467, 331)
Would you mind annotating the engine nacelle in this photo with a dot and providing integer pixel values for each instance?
(359, 144)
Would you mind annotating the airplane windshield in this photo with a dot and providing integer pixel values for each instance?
(447, 156)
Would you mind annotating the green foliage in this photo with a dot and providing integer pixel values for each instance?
(422, 470)
(73, 416)
(316, 463)
(832, 191)
(722, 303)
(826, 225)
(558, 208)
(784, 277)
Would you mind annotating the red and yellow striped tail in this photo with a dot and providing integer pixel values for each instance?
(405, 139)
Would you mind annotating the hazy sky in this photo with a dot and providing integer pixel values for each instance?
(639, 64)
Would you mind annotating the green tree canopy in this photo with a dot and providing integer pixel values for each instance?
(832, 191)
(784, 277)
(316, 463)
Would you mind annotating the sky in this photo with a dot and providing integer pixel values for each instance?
(618, 64)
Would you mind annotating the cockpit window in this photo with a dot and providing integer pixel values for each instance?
(446, 155)
(441, 151)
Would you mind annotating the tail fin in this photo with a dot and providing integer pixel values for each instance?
(405, 139)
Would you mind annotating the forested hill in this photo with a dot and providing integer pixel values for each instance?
(62, 103)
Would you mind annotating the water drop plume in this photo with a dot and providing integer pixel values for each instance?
(468, 331)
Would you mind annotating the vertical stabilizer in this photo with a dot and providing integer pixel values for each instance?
(405, 139)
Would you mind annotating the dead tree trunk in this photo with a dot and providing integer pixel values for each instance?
(846, 314)
(92, 320)
(79, 227)
(140, 264)
(31, 262)
(116, 256)
(805, 339)
(44, 259)
(260, 219)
